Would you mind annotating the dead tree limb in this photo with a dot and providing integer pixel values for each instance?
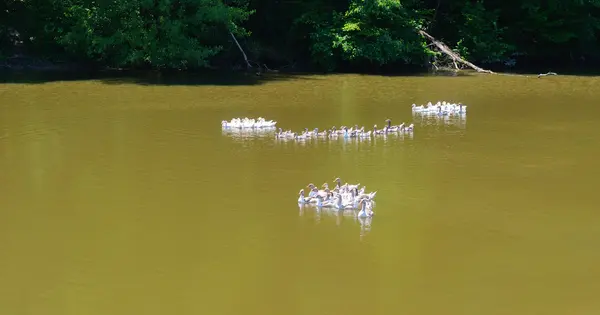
(546, 74)
(453, 55)
(241, 50)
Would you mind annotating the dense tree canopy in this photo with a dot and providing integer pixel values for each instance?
(324, 34)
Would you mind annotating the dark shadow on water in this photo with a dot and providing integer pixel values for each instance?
(559, 72)
(148, 77)
(216, 78)
(210, 78)
(463, 74)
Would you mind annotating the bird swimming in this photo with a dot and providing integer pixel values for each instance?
(248, 123)
(346, 197)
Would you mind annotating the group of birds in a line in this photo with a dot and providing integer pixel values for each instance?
(345, 197)
(345, 132)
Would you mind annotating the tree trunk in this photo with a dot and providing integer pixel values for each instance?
(241, 50)
(455, 57)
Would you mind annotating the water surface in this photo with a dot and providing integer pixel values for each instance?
(125, 197)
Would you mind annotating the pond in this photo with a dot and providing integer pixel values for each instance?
(124, 196)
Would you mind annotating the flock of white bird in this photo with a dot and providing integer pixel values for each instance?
(347, 197)
(244, 123)
(440, 108)
(255, 127)
(345, 132)
(440, 113)
(344, 198)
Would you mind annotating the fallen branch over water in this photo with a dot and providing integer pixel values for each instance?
(453, 55)
(443, 48)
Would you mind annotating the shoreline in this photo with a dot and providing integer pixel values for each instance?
(24, 64)
(28, 63)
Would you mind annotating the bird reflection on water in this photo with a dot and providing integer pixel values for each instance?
(249, 134)
(435, 119)
(365, 226)
(340, 217)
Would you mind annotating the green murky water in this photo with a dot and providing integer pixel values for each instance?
(125, 197)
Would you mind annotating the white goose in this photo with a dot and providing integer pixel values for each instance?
(314, 191)
(303, 136)
(323, 204)
(364, 211)
(303, 199)
(416, 108)
(341, 205)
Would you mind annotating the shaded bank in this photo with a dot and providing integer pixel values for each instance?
(37, 64)
(31, 64)
(56, 73)
(205, 77)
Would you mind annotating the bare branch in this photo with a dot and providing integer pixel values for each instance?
(455, 57)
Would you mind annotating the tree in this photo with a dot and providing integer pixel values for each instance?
(175, 34)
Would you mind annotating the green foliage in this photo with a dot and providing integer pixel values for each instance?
(161, 34)
(182, 34)
(174, 34)
(481, 37)
(560, 25)
(374, 32)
